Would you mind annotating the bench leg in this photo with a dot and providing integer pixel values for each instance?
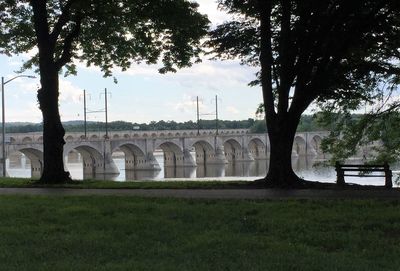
(388, 179)
(340, 177)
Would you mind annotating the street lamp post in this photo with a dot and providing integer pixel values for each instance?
(3, 119)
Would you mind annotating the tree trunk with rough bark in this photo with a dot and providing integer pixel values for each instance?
(53, 131)
(280, 170)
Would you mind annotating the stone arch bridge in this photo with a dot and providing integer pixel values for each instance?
(230, 145)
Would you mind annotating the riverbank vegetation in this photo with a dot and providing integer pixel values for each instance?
(307, 123)
(127, 233)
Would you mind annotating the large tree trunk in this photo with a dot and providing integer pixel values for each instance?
(53, 131)
(281, 137)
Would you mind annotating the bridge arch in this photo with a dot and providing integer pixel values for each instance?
(173, 154)
(36, 159)
(232, 149)
(135, 157)
(316, 144)
(27, 139)
(257, 148)
(92, 159)
(204, 152)
(299, 146)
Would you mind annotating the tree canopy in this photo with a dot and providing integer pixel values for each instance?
(105, 33)
(333, 52)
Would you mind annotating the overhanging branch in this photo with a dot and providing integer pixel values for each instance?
(266, 59)
(62, 20)
(68, 41)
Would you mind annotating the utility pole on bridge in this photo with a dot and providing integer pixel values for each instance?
(84, 112)
(216, 115)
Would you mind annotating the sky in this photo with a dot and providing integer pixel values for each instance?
(141, 94)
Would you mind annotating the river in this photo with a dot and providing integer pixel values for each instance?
(19, 166)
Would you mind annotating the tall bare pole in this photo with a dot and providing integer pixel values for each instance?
(198, 116)
(3, 118)
(3, 128)
(216, 114)
(84, 112)
(105, 101)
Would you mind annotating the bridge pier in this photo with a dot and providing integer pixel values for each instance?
(188, 160)
(96, 162)
(147, 162)
(218, 158)
(131, 161)
(245, 156)
(109, 167)
(238, 155)
(1, 169)
(36, 169)
(171, 160)
(258, 153)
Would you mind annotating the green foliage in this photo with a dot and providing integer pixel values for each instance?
(107, 33)
(78, 126)
(313, 57)
(377, 134)
(260, 126)
(307, 124)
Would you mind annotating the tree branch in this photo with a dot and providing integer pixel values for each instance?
(285, 54)
(68, 41)
(266, 59)
(41, 25)
(62, 20)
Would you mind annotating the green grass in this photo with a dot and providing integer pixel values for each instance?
(128, 233)
(24, 182)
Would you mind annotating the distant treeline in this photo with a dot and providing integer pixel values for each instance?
(307, 123)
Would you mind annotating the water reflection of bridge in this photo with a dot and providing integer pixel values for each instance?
(180, 149)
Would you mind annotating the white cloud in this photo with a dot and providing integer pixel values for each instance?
(70, 93)
(232, 110)
(188, 104)
(29, 111)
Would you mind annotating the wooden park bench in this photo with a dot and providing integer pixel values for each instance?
(363, 171)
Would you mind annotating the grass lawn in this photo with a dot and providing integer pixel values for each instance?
(25, 182)
(128, 233)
